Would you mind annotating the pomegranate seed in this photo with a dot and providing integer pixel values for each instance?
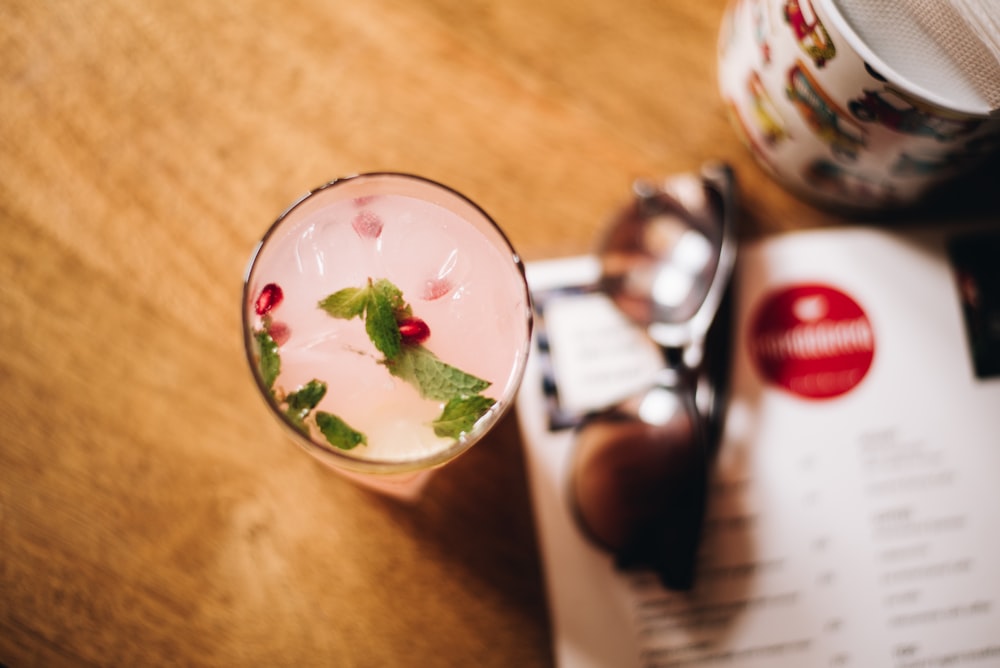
(436, 288)
(280, 332)
(269, 298)
(367, 225)
(413, 330)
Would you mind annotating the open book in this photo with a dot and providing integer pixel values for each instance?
(853, 519)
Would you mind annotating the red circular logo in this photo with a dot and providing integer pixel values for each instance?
(813, 340)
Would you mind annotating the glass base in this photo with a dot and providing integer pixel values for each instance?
(404, 486)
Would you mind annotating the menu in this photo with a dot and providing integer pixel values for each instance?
(853, 514)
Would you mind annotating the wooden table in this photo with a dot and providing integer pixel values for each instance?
(151, 511)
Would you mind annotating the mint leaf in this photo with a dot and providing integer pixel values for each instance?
(380, 303)
(380, 317)
(433, 378)
(268, 359)
(347, 303)
(337, 432)
(307, 396)
(393, 295)
(460, 415)
(303, 400)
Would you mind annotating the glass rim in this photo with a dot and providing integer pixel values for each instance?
(354, 463)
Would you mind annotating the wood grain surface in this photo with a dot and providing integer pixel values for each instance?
(151, 511)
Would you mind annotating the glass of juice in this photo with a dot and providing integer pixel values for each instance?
(387, 323)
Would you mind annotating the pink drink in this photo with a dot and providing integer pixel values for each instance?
(460, 305)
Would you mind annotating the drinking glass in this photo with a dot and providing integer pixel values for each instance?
(387, 323)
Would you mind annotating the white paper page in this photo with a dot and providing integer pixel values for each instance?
(856, 529)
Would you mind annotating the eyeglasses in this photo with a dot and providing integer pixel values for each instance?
(640, 472)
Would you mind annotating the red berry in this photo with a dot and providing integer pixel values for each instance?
(269, 299)
(280, 332)
(367, 225)
(413, 330)
(436, 288)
